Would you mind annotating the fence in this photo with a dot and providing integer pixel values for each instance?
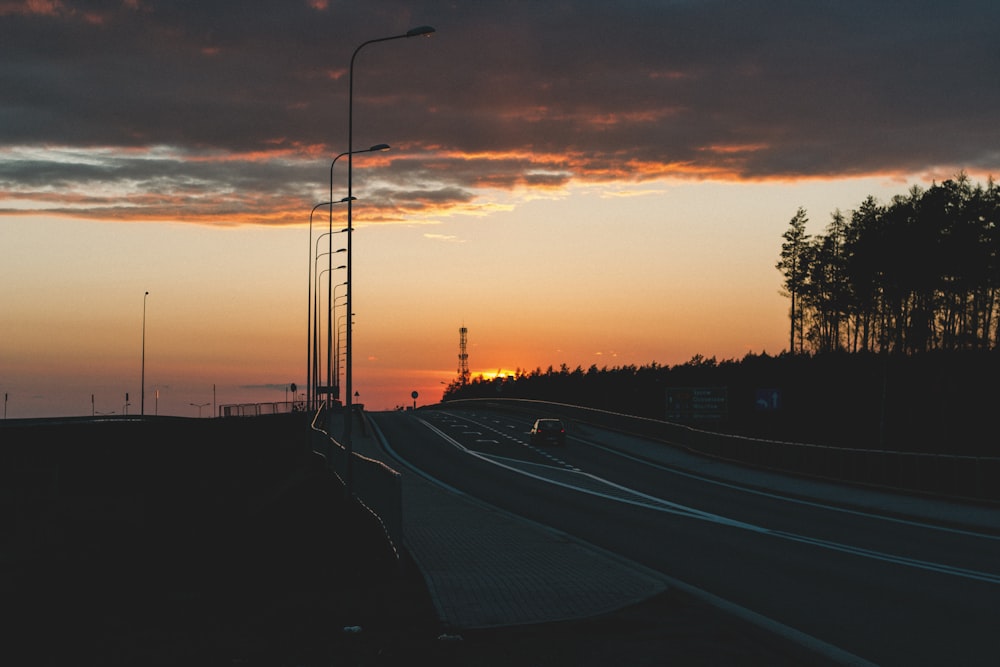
(258, 409)
(940, 475)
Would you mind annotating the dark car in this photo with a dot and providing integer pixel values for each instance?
(548, 432)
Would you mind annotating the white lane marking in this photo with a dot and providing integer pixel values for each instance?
(541, 452)
(836, 654)
(637, 498)
(784, 498)
(793, 499)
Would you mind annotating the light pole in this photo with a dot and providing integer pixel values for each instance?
(142, 379)
(335, 298)
(329, 324)
(199, 406)
(319, 281)
(310, 306)
(338, 346)
(317, 319)
(348, 409)
(349, 152)
(318, 326)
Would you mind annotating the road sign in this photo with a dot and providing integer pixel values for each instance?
(767, 399)
(697, 404)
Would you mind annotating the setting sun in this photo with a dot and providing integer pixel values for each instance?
(492, 375)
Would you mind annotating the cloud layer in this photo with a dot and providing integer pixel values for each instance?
(213, 112)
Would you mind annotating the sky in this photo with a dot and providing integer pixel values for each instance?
(576, 182)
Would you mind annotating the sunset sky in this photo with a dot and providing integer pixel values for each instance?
(579, 182)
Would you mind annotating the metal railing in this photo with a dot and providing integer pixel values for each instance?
(376, 486)
(259, 409)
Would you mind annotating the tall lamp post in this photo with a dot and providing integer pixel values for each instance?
(377, 148)
(336, 344)
(310, 330)
(339, 346)
(329, 335)
(309, 310)
(317, 319)
(318, 322)
(425, 30)
(335, 297)
(142, 379)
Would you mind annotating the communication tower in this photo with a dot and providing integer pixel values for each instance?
(463, 356)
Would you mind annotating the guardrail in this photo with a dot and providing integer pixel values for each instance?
(375, 485)
(967, 478)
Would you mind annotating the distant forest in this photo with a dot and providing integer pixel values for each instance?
(893, 342)
(916, 275)
(932, 402)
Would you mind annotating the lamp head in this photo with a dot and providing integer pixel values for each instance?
(379, 147)
(421, 30)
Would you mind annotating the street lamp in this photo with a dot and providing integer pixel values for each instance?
(329, 333)
(371, 149)
(310, 306)
(199, 406)
(338, 347)
(318, 321)
(142, 380)
(336, 344)
(335, 298)
(348, 414)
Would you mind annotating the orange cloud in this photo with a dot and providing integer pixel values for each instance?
(734, 148)
(32, 7)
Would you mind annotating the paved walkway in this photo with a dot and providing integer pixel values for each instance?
(487, 568)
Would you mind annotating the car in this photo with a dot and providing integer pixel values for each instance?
(548, 432)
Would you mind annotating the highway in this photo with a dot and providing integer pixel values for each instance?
(891, 590)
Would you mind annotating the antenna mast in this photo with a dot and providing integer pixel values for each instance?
(463, 356)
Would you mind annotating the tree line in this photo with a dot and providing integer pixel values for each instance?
(894, 336)
(940, 402)
(915, 275)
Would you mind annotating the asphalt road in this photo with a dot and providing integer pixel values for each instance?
(891, 591)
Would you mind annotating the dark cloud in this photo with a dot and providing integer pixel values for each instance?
(186, 103)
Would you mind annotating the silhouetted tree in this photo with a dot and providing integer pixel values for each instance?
(794, 269)
(864, 272)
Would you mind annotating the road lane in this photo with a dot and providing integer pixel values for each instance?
(868, 585)
(881, 536)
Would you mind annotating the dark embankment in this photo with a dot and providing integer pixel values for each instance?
(183, 541)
